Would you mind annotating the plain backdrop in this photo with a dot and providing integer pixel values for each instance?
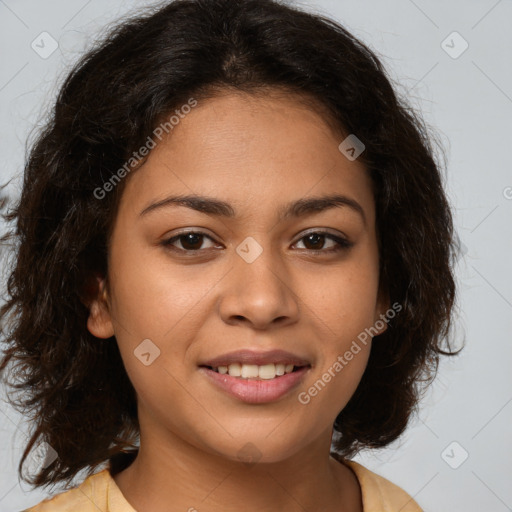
(453, 61)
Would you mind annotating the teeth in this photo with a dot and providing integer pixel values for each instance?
(235, 370)
(267, 371)
(249, 371)
(253, 371)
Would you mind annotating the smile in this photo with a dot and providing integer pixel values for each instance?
(256, 390)
(254, 371)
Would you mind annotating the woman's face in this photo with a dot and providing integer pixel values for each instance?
(248, 279)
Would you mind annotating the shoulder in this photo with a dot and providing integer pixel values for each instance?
(89, 496)
(379, 494)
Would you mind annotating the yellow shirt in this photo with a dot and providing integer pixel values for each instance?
(99, 492)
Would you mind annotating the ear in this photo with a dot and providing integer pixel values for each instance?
(99, 322)
(383, 305)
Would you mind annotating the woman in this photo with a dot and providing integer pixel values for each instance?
(228, 205)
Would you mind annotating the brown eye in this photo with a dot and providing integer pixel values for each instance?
(190, 242)
(315, 242)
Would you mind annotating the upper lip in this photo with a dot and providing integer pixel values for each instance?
(246, 356)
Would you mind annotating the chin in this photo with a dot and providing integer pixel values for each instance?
(252, 449)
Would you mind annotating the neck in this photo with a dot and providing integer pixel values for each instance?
(178, 473)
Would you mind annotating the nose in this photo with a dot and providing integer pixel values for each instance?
(259, 293)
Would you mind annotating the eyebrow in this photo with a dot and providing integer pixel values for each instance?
(217, 207)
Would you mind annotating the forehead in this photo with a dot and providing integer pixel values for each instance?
(255, 151)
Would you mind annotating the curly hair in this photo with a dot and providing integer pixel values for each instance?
(73, 386)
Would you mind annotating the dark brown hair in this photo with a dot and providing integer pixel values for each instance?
(73, 386)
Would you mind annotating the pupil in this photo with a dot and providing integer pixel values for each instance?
(317, 238)
(191, 239)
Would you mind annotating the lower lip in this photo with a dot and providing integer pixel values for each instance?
(256, 391)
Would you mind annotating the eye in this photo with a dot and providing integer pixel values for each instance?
(317, 239)
(190, 241)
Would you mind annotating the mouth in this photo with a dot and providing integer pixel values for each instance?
(256, 372)
(256, 377)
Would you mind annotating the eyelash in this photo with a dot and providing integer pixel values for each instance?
(342, 243)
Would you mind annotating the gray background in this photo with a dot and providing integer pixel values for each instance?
(467, 99)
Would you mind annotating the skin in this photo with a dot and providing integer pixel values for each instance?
(257, 153)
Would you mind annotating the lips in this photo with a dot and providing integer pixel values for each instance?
(283, 372)
(256, 391)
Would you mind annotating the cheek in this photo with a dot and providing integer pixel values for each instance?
(344, 299)
(153, 296)
(335, 381)
(161, 301)
(343, 303)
